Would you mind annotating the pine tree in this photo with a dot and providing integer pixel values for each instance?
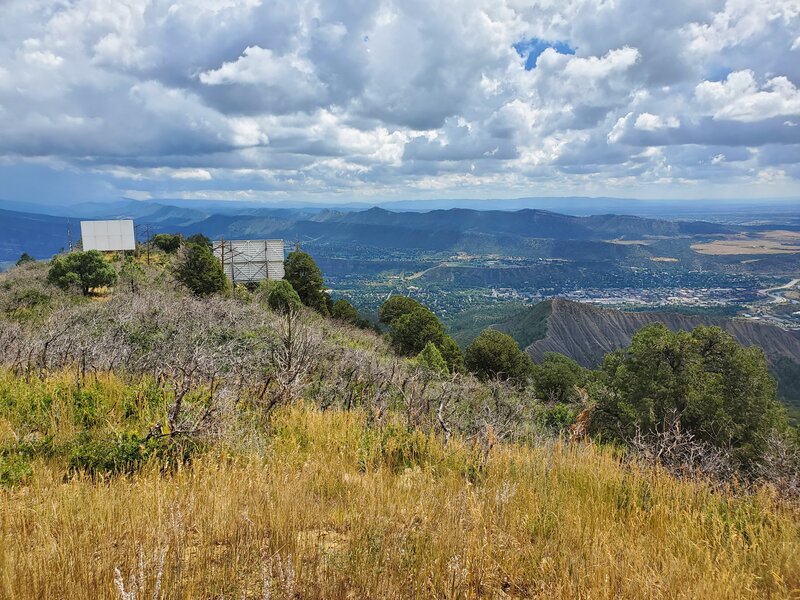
(306, 279)
(199, 270)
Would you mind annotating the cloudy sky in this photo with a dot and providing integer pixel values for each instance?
(372, 99)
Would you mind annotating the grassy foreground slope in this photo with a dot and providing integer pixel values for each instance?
(321, 504)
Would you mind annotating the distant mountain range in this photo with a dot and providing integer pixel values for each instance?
(699, 209)
(506, 232)
(527, 232)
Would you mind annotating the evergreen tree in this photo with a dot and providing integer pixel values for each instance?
(452, 354)
(84, 270)
(430, 359)
(25, 258)
(131, 274)
(556, 378)
(718, 390)
(166, 242)
(397, 306)
(342, 310)
(494, 354)
(412, 331)
(199, 270)
(199, 238)
(412, 326)
(306, 279)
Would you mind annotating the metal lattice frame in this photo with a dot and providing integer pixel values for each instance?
(251, 261)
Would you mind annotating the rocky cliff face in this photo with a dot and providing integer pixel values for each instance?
(585, 333)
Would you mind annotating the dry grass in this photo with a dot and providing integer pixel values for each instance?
(765, 243)
(782, 234)
(334, 509)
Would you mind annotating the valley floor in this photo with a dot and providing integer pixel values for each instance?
(324, 506)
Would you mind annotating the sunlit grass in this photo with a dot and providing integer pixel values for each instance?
(332, 508)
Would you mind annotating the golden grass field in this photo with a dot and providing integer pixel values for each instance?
(325, 506)
(767, 242)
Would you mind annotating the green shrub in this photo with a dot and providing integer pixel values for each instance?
(126, 453)
(25, 407)
(167, 242)
(26, 304)
(558, 417)
(279, 295)
(200, 271)
(717, 390)
(494, 354)
(555, 379)
(30, 298)
(132, 275)
(87, 407)
(411, 331)
(452, 354)
(36, 446)
(306, 279)
(15, 469)
(344, 311)
(430, 359)
(199, 238)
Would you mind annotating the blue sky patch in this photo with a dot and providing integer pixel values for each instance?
(533, 47)
(718, 73)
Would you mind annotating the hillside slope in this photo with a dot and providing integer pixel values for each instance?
(586, 333)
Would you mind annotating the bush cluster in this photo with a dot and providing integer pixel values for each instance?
(412, 327)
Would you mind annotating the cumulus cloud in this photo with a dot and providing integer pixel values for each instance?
(739, 97)
(285, 83)
(650, 122)
(376, 98)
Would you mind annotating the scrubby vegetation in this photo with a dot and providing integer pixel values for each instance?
(167, 242)
(412, 327)
(166, 443)
(703, 380)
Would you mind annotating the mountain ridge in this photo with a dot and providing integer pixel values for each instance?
(585, 333)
